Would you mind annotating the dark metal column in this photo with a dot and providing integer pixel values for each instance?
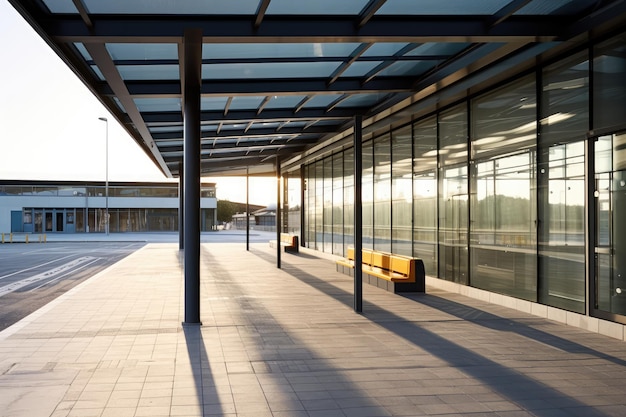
(192, 44)
(302, 196)
(278, 211)
(358, 214)
(181, 206)
(247, 209)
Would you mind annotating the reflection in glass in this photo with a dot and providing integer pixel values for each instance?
(562, 228)
(328, 205)
(367, 195)
(610, 242)
(319, 206)
(337, 202)
(505, 120)
(609, 88)
(348, 200)
(382, 193)
(425, 193)
(453, 189)
(401, 192)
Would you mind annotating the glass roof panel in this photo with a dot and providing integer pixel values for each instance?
(234, 126)
(439, 7)
(276, 50)
(213, 103)
(61, 6)
(561, 7)
(284, 102)
(432, 48)
(322, 100)
(171, 7)
(361, 100)
(157, 104)
(165, 129)
(97, 71)
(83, 51)
(246, 102)
(384, 48)
(295, 124)
(149, 72)
(142, 51)
(404, 68)
(360, 69)
(265, 125)
(319, 7)
(268, 70)
(208, 128)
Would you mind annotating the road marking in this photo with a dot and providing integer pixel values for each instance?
(52, 273)
(34, 267)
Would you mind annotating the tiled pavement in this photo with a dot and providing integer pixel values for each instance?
(287, 343)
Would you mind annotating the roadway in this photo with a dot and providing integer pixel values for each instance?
(33, 275)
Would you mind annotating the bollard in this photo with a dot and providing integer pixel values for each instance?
(26, 239)
(3, 238)
(45, 238)
(11, 237)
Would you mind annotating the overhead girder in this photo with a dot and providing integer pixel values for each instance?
(309, 29)
(239, 116)
(267, 87)
(251, 133)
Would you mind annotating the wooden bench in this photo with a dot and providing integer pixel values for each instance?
(288, 242)
(392, 272)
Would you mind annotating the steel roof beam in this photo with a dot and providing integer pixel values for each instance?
(306, 29)
(274, 87)
(322, 129)
(238, 116)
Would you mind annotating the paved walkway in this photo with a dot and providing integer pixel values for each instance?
(287, 343)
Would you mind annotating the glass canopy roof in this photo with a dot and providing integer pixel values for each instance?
(282, 76)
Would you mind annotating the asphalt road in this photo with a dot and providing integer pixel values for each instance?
(35, 274)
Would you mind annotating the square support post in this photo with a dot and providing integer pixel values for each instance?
(192, 44)
(181, 206)
(247, 208)
(358, 214)
(278, 213)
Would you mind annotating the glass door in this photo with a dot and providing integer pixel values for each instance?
(609, 290)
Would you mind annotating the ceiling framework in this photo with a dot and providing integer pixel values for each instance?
(280, 78)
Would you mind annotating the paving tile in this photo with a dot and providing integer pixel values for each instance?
(287, 343)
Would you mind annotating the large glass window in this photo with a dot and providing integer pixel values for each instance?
(453, 197)
(561, 181)
(425, 193)
(319, 206)
(337, 203)
(503, 251)
(609, 88)
(348, 199)
(328, 205)
(401, 191)
(382, 193)
(367, 195)
(310, 206)
(610, 239)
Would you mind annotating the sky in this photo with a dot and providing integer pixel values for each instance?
(49, 127)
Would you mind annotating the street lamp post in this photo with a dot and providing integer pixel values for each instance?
(106, 176)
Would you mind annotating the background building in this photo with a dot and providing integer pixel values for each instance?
(79, 207)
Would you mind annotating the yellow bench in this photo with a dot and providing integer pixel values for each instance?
(287, 241)
(392, 272)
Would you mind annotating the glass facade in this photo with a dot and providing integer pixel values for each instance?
(496, 190)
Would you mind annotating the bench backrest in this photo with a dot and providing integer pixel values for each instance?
(400, 264)
(288, 239)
